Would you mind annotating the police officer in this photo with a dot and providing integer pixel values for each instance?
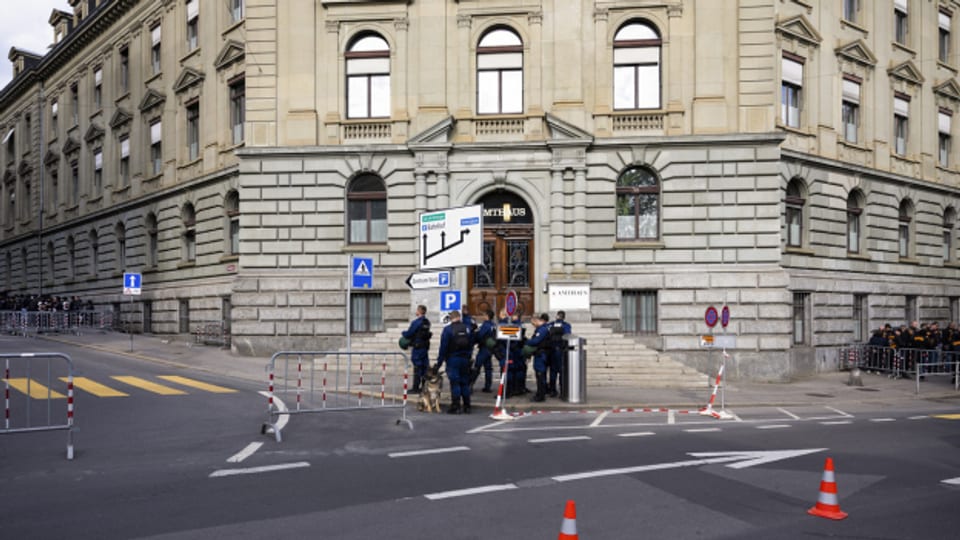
(456, 343)
(419, 335)
(486, 342)
(517, 368)
(558, 329)
(539, 347)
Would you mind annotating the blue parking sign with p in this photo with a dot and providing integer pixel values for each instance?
(449, 300)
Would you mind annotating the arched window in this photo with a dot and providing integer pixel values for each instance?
(94, 240)
(189, 218)
(120, 233)
(795, 201)
(71, 257)
(51, 261)
(949, 219)
(150, 226)
(636, 67)
(905, 228)
(638, 205)
(854, 211)
(231, 210)
(367, 210)
(368, 77)
(500, 72)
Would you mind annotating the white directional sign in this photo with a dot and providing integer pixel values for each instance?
(451, 238)
(429, 280)
(132, 284)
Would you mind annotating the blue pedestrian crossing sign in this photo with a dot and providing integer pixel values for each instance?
(132, 284)
(449, 300)
(362, 274)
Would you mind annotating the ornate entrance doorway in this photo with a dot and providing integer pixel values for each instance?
(508, 256)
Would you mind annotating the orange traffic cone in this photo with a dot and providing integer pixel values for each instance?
(827, 504)
(568, 530)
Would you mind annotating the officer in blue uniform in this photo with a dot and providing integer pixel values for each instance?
(517, 369)
(485, 336)
(456, 344)
(419, 335)
(540, 347)
(558, 329)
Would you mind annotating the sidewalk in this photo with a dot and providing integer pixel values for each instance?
(822, 389)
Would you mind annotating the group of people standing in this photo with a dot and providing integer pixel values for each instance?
(459, 338)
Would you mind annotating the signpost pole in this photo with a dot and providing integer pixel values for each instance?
(349, 287)
(130, 330)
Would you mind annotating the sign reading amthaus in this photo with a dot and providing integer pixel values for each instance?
(569, 297)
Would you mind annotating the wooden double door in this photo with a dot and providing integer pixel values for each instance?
(508, 257)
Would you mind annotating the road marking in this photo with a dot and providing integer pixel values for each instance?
(245, 453)
(197, 384)
(34, 389)
(256, 470)
(560, 439)
(428, 451)
(599, 419)
(671, 416)
(836, 423)
(703, 430)
(921, 417)
(952, 481)
(948, 416)
(788, 413)
(95, 388)
(148, 386)
(838, 411)
(883, 419)
(469, 491)
(774, 426)
(637, 434)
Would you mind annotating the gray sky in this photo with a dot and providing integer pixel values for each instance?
(24, 25)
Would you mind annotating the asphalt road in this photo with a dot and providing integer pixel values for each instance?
(194, 465)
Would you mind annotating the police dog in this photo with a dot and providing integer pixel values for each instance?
(430, 392)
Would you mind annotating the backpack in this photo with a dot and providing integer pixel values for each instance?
(556, 334)
(461, 337)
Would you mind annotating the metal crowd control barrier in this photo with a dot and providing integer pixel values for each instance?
(31, 323)
(212, 333)
(37, 385)
(915, 364)
(327, 381)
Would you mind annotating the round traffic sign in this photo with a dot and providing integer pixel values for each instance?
(511, 303)
(724, 316)
(710, 317)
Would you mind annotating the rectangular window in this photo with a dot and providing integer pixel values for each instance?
(124, 79)
(901, 114)
(75, 104)
(947, 244)
(74, 183)
(97, 173)
(851, 110)
(54, 189)
(193, 131)
(792, 84)
(850, 10)
(190, 245)
(944, 37)
(156, 147)
(193, 24)
(904, 237)
(801, 310)
(98, 88)
(943, 127)
(900, 23)
(54, 111)
(10, 142)
(853, 230)
(236, 10)
(638, 312)
(238, 106)
(155, 48)
(794, 225)
(366, 312)
(124, 161)
(954, 308)
(910, 313)
(860, 318)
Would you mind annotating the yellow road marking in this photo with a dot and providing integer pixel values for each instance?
(948, 416)
(95, 388)
(148, 386)
(197, 384)
(36, 390)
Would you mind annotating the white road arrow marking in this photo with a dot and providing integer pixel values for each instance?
(741, 459)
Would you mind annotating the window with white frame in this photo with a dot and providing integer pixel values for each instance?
(638, 312)
(851, 109)
(901, 125)
(905, 217)
(795, 202)
(900, 22)
(156, 146)
(124, 160)
(500, 72)
(638, 205)
(155, 43)
(636, 67)
(854, 212)
(944, 118)
(943, 36)
(98, 88)
(368, 77)
(238, 100)
(790, 90)
(193, 130)
(193, 24)
(97, 173)
(236, 10)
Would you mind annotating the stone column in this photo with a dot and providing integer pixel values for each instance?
(420, 192)
(580, 221)
(556, 222)
(443, 190)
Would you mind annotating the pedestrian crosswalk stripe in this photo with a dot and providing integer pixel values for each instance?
(34, 389)
(948, 416)
(148, 386)
(95, 388)
(197, 384)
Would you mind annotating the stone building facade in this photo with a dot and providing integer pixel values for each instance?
(790, 159)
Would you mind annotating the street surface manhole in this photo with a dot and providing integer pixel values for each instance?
(820, 395)
(862, 389)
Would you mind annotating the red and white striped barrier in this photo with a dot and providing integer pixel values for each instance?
(500, 413)
(709, 410)
(37, 375)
